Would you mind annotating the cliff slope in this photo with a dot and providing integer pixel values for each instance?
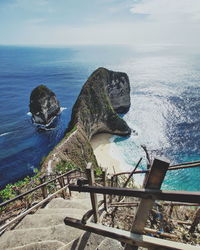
(104, 93)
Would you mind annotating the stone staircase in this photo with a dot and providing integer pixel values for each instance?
(46, 230)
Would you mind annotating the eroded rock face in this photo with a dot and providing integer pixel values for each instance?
(118, 89)
(43, 105)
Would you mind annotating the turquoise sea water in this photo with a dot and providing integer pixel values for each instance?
(165, 103)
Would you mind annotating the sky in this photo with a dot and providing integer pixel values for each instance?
(99, 22)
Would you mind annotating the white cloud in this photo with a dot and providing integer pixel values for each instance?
(178, 10)
(151, 22)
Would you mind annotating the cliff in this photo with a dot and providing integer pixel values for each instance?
(104, 93)
(43, 105)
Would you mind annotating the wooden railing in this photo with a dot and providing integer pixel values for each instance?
(171, 168)
(149, 194)
(61, 183)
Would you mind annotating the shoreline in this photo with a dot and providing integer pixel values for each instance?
(108, 156)
(103, 150)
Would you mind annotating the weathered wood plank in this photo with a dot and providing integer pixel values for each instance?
(180, 196)
(156, 232)
(154, 181)
(93, 196)
(105, 183)
(128, 237)
(43, 188)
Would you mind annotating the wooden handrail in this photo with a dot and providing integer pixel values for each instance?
(38, 187)
(127, 237)
(172, 167)
(163, 204)
(181, 196)
(32, 208)
(185, 163)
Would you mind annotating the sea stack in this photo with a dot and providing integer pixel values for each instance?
(44, 105)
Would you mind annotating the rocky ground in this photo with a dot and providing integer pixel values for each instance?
(159, 220)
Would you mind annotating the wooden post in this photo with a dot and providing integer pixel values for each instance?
(104, 183)
(43, 188)
(196, 221)
(153, 181)
(171, 209)
(62, 184)
(68, 180)
(112, 181)
(93, 196)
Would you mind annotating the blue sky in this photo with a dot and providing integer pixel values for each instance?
(66, 22)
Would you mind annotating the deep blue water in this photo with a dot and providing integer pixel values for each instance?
(165, 110)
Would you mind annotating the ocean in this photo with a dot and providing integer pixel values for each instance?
(164, 113)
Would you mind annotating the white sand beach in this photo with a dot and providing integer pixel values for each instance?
(106, 153)
(108, 156)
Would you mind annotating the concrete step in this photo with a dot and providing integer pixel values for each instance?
(44, 220)
(45, 245)
(71, 212)
(87, 241)
(72, 203)
(21, 237)
(109, 244)
(83, 196)
(78, 195)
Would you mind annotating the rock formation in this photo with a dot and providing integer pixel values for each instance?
(43, 105)
(118, 89)
(94, 112)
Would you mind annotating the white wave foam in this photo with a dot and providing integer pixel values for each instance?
(7, 133)
(62, 109)
(45, 127)
(49, 169)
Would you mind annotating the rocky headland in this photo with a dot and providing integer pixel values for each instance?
(44, 105)
(104, 93)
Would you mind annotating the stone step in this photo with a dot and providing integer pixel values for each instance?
(72, 203)
(44, 220)
(109, 244)
(83, 196)
(44, 245)
(87, 241)
(70, 212)
(21, 237)
(80, 196)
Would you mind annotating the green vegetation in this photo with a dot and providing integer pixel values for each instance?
(98, 171)
(12, 190)
(64, 166)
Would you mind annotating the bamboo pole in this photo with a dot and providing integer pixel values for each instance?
(131, 174)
